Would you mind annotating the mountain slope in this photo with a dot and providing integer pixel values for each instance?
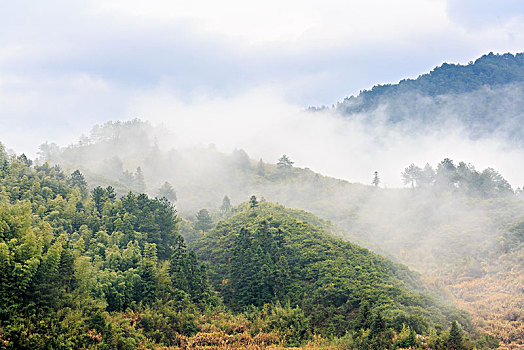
(483, 97)
(301, 263)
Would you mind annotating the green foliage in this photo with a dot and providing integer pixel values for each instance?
(456, 338)
(489, 70)
(203, 220)
(483, 97)
(458, 178)
(73, 264)
(275, 257)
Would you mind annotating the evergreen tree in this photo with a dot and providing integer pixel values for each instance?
(226, 205)
(363, 320)
(284, 163)
(411, 175)
(78, 180)
(167, 191)
(427, 176)
(110, 191)
(99, 197)
(203, 220)
(376, 179)
(253, 203)
(456, 338)
(139, 181)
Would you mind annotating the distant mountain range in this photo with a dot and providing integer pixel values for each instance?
(485, 97)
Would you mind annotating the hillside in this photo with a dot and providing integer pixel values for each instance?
(89, 269)
(483, 97)
(301, 263)
(454, 226)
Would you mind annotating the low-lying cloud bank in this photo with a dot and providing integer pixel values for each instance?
(265, 126)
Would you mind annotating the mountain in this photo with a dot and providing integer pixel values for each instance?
(483, 97)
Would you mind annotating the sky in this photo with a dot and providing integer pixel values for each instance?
(67, 65)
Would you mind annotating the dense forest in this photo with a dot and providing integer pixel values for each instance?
(483, 97)
(83, 267)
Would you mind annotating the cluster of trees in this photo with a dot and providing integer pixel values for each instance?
(72, 259)
(462, 177)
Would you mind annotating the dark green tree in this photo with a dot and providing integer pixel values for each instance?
(99, 197)
(253, 203)
(456, 338)
(78, 180)
(203, 220)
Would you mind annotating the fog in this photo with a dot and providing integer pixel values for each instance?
(346, 147)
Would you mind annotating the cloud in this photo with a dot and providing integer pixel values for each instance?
(65, 65)
(297, 24)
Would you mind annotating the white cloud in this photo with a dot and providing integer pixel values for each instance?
(65, 65)
(296, 24)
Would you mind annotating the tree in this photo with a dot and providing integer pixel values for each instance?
(446, 175)
(167, 191)
(411, 175)
(203, 220)
(261, 168)
(376, 179)
(78, 180)
(455, 340)
(253, 203)
(284, 163)
(111, 193)
(99, 197)
(139, 181)
(241, 159)
(226, 205)
(427, 176)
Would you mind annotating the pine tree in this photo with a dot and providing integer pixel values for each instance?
(376, 179)
(139, 181)
(203, 220)
(411, 175)
(455, 340)
(167, 191)
(78, 180)
(226, 205)
(253, 203)
(284, 163)
(261, 169)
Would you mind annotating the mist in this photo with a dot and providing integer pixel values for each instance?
(347, 147)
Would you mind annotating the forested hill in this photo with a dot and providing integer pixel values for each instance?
(87, 269)
(266, 253)
(485, 95)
